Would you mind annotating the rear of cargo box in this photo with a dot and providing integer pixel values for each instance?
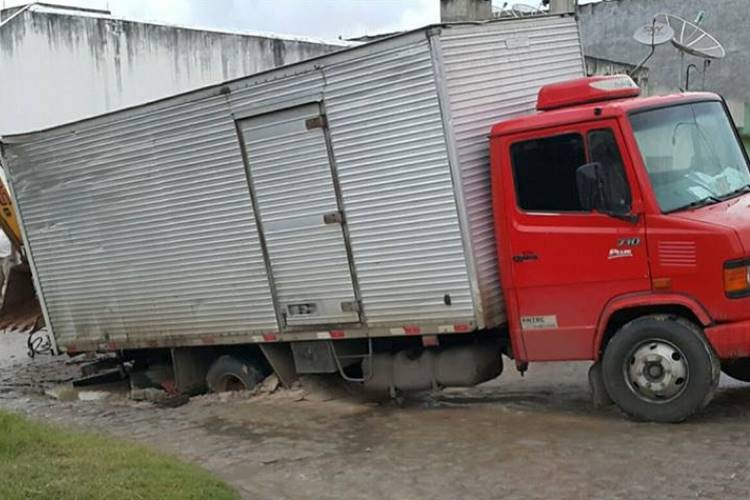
(346, 196)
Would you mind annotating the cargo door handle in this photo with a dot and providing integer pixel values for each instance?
(526, 256)
(333, 218)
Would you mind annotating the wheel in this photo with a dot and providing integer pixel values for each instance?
(738, 369)
(230, 373)
(660, 368)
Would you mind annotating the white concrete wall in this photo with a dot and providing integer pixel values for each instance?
(58, 66)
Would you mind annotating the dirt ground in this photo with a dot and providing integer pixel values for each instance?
(531, 437)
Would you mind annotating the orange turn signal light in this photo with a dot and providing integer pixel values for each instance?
(735, 279)
(661, 283)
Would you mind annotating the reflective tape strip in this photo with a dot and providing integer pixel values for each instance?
(257, 338)
(323, 335)
(407, 330)
(445, 329)
(337, 334)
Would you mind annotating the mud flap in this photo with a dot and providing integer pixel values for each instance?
(599, 395)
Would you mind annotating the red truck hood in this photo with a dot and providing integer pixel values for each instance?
(732, 214)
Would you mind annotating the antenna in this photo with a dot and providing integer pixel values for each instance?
(656, 33)
(691, 38)
(653, 34)
(523, 10)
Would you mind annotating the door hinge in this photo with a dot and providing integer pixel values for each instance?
(350, 306)
(333, 218)
(317, 122)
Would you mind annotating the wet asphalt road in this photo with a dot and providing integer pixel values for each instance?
(531, 437)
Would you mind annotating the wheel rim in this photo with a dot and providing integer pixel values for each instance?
(656, 371)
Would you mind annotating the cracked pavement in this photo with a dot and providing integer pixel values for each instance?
(531, 437)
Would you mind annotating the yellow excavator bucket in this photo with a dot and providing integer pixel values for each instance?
(8, 220)
(20, 308)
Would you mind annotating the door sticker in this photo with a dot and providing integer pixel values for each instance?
(619, 253)
(538, 322)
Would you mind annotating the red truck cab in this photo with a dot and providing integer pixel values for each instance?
(623, 229)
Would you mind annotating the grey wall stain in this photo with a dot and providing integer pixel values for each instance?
(117, 63)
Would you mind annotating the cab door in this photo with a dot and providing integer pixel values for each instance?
(566, 263)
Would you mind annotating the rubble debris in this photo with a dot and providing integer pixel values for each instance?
(150, 394)
(269, 385)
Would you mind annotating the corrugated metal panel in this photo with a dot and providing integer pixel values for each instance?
(493, 72)
(390, 153)
(141, 222)
(141, 225)
(293, 187)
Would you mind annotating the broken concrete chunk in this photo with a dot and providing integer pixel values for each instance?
(88, 395)
(150, 394)
(269, 385)
(62, 392)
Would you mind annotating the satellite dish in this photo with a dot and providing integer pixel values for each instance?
(691, 38)
(522, 10)
(654, 34)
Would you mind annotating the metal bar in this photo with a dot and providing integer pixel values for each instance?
(259, 227)
(340, 204)
(340, 368)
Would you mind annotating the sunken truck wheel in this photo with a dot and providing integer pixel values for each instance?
(660, 368)
(229, 373)
(738, 369)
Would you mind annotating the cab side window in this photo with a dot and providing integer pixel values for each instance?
(603, 150)
(544, 172)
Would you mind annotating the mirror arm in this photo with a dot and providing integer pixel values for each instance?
(632, 218)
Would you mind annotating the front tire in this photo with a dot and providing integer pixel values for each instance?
(660, 368)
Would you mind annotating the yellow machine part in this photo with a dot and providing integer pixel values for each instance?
(20, 308)
(8, 220)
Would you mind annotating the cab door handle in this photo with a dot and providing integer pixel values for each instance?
(526, 256)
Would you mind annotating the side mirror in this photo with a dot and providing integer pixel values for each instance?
(602, 190)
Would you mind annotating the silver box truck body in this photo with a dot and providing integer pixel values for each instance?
(346, 196)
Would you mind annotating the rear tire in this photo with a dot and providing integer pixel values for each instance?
(660, 368)
(230, 373)
(738, 369)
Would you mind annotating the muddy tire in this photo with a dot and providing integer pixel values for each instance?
(230, 373)
(660, 368)
(738, 369)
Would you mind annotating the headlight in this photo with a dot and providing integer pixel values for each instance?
(737, 278)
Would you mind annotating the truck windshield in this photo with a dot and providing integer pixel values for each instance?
(692, 154)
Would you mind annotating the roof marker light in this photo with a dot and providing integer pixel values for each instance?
(586, 91)
(620, 82)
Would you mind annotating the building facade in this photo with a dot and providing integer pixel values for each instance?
(61, 64)
(607, 30)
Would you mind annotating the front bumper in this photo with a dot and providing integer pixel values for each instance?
(730, 340)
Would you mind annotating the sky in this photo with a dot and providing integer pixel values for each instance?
(326, 19)
(316, 18)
